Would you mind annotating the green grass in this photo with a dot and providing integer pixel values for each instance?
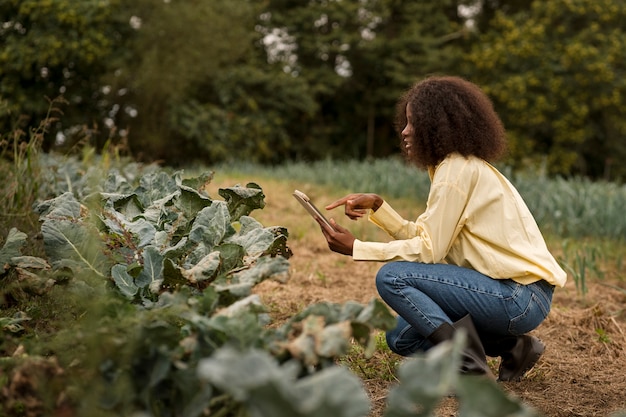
(389, 177)
(577, 207)
(567, 208)
(381, 364)
(583, 221)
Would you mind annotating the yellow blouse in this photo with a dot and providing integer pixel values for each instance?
(474, 218)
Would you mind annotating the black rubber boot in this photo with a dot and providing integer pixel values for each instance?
(474, 361)
(519, 354)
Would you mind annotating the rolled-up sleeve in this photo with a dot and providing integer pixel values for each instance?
(428, 239)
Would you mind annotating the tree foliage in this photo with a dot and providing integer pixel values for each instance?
(555, 73)
(198, 81)
(482, 12)
(357, 58)
(179, 48)
(246, 113)
(56, 47)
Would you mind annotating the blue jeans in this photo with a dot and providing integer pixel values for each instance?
(427, 295)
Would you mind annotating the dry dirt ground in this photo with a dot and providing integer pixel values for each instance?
(582, 372)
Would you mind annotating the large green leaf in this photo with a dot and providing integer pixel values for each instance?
(332, 392)
(65, 206)
(198, 183)
(255, 379)
(425, 379)
(241, 283)
(130, 207)
(156, 192)
(197, 251)
(156, 188)
(116, 183)
(232, 257)
(193, 197)
(333, 312)
(68, 241)
(318, 341)
(250, 303)
(12, 248)
(117, 199)
(151, 276)
(252, 236)
(75, 246)
(158, 213)
(142, 231)
(377, 314)
(191, 202)
(162, 240)
(482, 397)
(212, 225)
(204, 270)
(325, 328)
(172, 275)
(124, 281)
(243, 200)
(243, 330)
(127, 204)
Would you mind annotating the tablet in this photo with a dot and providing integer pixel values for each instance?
(310, 207)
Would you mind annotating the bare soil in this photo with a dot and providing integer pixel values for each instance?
(582, 372)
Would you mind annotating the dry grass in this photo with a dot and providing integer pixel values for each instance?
(582, 373)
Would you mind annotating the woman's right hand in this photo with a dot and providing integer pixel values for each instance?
(356, 205)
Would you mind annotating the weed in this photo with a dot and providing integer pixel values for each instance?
(583, 261)
(381, 365)
(321, 277)
(603, 337)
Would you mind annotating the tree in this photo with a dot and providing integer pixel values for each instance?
(53, 48)
(556, 74)
(358, 57)
(482, 12)
(196, 79)
(248, 112)
(178, 48)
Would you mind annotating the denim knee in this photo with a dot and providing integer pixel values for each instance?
(391, 337)
(404, 340)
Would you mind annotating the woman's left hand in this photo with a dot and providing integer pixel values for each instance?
(339, 240)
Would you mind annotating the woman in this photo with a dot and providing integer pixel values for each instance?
(475, 259)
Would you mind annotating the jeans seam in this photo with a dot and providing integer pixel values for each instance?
(543, 301)
(436, 279)
(534, 300)
(544, 294)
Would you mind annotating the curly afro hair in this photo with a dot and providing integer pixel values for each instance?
(449, 114)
